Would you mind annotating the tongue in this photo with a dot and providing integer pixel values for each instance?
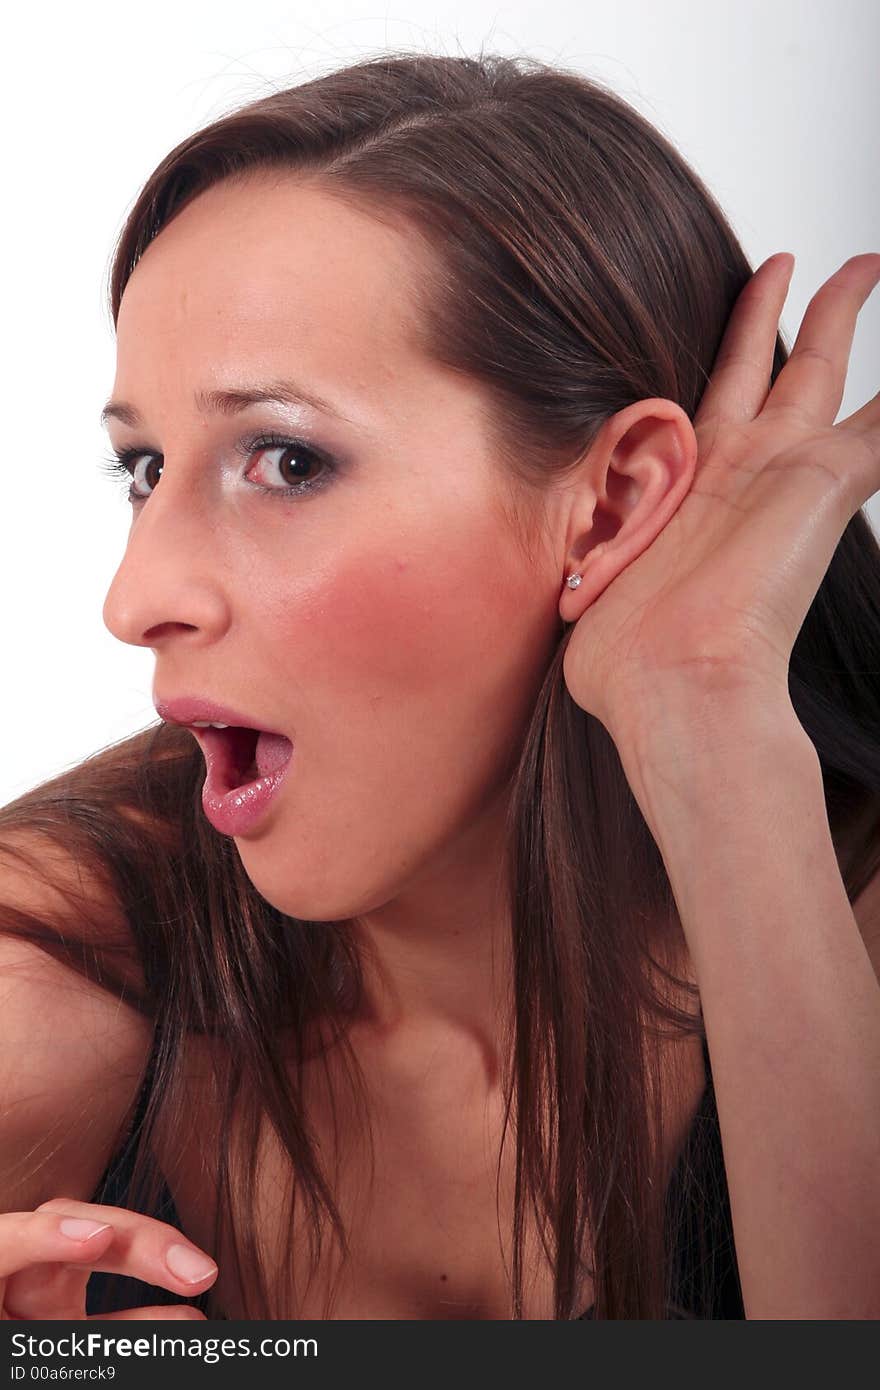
(272, 752)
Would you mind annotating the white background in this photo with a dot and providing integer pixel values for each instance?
(775, 106)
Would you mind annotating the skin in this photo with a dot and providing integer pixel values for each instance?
(390, 623)
(780, 934)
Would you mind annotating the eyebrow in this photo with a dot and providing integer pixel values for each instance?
(232, 400)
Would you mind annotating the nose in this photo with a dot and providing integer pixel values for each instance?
(168, 582)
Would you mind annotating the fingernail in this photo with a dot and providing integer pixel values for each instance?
(77, 1229)
(187, 1263)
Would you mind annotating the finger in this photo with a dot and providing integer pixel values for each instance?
(145, 1248)
(863, 463)
(743, 364)
(37, 1237)
(158, 1310)
(813, 379)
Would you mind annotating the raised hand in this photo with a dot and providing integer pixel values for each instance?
(715, 602)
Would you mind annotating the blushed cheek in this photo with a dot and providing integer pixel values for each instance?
(402, 677)
(392, 627)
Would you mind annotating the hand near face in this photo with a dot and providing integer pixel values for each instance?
(714, 605)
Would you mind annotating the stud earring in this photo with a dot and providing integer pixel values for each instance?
(573, 580)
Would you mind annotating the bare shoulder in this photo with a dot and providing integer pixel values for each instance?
(71, 1052)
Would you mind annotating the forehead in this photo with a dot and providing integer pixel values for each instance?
(275, 271)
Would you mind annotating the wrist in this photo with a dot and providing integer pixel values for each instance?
(699, 761)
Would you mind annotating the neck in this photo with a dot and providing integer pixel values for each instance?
(437, 960)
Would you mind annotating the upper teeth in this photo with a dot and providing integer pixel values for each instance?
(207, 724)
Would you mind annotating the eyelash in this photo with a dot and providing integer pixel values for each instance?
(120, 463)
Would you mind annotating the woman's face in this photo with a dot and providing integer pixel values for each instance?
(386, 621)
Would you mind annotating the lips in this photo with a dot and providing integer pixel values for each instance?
(187, 709)
(239, 808)
(237, 755)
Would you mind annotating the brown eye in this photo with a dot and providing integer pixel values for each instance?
(292, 463)
(149, 474)
(288, 467)
(124, 464)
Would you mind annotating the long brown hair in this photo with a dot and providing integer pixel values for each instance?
(581, 265)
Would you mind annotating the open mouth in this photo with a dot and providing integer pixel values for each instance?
(242, 753)
(235, 752)
(237, 757)
(245, 770)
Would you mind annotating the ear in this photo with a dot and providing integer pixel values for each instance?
(633, 479)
